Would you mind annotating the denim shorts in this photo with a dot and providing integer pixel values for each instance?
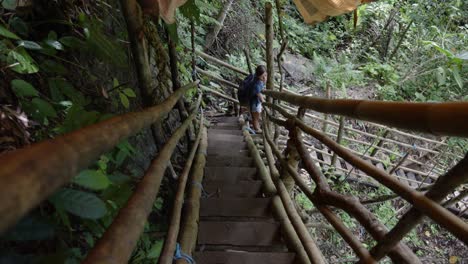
(256, 108)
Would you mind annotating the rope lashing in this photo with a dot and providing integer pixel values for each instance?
(178, 254)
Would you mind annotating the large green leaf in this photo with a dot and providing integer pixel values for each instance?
(124, 100)
(456, 75)
(72, 42)
(7, 34)
(91, 179)
(190, 10)
(54, 44)
(44, 108)
(51, 66)
(9, 4)
(80, 203)
(24, 63)
(23, 89)
(129, 92)
(27, 44)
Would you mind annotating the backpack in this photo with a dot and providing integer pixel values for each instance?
(244, 92)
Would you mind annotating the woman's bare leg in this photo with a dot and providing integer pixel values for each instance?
(256, 120)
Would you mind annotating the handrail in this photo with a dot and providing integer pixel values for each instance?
(119, 240)
(432, 209)
(206, 89)
(31, 174)
(188, 232)
(372, 224)
(437, 118)
(170, 241)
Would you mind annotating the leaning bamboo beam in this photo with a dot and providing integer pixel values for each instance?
(119, 240)
(313, 252)
(348, 236)
(268, 186)
(47, 165)
(351, 205)
(218, 79)
(436, 118)
(167, 253)
(189, 227)
(269, 36)
(455, 177)
(291, 236)
(212, 59)
(209, 90)
(220, 62)
(432, 209)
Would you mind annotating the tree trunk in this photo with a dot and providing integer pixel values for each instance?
(211, 37)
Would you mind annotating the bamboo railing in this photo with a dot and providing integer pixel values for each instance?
(42, 175)
(423, 204)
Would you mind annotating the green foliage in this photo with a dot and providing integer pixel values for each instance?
(303, 201)
(91, 179)
(83, 204)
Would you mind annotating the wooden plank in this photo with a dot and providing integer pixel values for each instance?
(237, 257)
(242, 189)
(236, 207)
(412, 177)
(230, 174)
(255, 233)
(229, 161)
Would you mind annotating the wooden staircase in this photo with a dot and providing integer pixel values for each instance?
(236, 221)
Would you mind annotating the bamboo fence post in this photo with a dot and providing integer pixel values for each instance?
(399, 163)
(173, 60)
(380, 143)
(192, 42)
(338, 139)
(170, 242)
(248, 60)
(139, 47)
(269, 34)
(189, 228)
(325, 124)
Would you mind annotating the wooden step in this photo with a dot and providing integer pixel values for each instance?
(227, 119)
(236, 207)
(242, 257)
(229, 161)
(227, 124)
(229, 174)
(225, 137)
(226, 147)
(213, 131)
(242, 189)
(258, 233)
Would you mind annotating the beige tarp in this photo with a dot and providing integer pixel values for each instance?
(314, 11)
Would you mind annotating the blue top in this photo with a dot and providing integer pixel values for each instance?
(256, 89)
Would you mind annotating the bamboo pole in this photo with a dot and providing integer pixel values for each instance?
(427, 206)
(269, 35)
(313, 252)
(269, 188)
(379, 144)
(338, 139)
(348, 236)
(119, 240)
(437, 118)
(167, 253)
(211, 36)
(42, 175)
(399, 163)
(204, 88)
(325, 117)
(218, 79)
(220, 62)
(248, 60)
(189, 227)
(400, 254)
(444, 185)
